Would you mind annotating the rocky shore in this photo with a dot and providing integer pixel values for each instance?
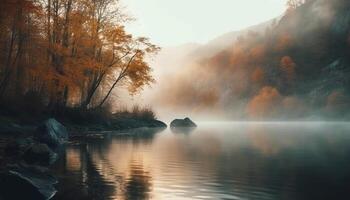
(28, 151)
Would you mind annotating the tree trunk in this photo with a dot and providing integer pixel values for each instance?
(122, 74)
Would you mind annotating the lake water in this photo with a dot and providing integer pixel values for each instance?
(215, 161)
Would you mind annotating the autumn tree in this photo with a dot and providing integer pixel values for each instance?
(92, 46)
(258, 75)
(131, 68)
(67, 50)
(15, 22)
(265, 103)
(288, 68)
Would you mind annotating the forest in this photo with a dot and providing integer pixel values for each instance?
(92, 109)
(63, 55)
(71, 57)
(293, 67)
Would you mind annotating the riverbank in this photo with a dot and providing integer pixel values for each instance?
(12, 128)
(29, 149)
(89, 121)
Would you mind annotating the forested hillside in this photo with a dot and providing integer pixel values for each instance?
(297, 68)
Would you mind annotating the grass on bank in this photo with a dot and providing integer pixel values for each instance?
(30, 109)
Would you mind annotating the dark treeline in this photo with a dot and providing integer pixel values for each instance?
(62, 54)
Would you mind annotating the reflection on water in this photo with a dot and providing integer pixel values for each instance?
(183, 130)
(214, 161)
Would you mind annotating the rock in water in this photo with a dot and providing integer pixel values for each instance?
(187, 122)
(23, 184)
(40, 154)
(52, 132)
(18, 147)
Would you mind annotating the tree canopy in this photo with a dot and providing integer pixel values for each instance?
(69, 52)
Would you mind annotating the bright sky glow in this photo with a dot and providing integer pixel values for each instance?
(175, 22)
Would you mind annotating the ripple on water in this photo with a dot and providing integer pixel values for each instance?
(239, 162)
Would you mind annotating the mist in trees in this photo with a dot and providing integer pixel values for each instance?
(68, 53)
(297, 68)
(59, 54)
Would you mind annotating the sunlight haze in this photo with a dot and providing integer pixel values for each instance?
(169, 22)
(174, 99)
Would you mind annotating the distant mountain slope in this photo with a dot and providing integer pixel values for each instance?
(298, 67)
(228, 39)
(178, 55)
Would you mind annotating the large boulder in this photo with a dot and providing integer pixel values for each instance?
(187, 122)
(156, 124)
(52, 133)
(22, 183)
(40, 154)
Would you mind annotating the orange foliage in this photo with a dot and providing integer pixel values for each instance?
(239, 56)
(288, 67)
(220, 59)
(69, 49)
(264, 104)
(283, 42)
(257, 53)
(258, 75)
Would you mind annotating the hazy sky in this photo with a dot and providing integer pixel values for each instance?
(175, 22)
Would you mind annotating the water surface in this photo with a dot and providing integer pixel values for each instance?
(215, 161)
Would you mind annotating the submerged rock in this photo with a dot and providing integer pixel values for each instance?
(28, 176)
(26, 184)
(187, 122)
(40, 154)
(52, 133)
(18, 146)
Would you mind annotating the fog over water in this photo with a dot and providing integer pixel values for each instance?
(225, 160)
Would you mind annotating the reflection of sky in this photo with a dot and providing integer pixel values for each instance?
(233, 161)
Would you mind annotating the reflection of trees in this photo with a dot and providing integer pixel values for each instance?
(97, 186)
(139, 184)
(143, 134)
(90, 174)
(85, 183)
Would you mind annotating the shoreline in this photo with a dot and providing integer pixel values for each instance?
(13, 136)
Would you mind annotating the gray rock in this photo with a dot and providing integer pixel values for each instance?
(40, 154)
(52, 133)
(26, 184)
(187, 122)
